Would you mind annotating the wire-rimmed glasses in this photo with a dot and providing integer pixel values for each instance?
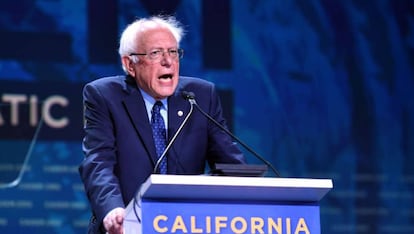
(156, 55)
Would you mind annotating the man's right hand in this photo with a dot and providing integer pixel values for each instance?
(113, 221)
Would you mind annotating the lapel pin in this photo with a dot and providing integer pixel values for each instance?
(180, 113)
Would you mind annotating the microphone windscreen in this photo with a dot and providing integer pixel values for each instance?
(188, 95)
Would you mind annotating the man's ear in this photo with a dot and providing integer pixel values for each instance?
(128, 64)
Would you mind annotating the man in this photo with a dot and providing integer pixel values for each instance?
(120, 147)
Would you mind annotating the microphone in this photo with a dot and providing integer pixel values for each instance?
(164, 153)
(190, 96)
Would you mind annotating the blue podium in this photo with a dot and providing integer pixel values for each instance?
(226, 204)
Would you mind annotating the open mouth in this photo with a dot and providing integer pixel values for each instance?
(166, 76)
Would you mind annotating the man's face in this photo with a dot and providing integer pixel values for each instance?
(158, 77)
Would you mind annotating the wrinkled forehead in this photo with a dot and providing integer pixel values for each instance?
(156, 38)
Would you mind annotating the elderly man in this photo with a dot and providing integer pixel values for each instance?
(130, 118)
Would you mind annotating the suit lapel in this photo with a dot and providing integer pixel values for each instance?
(178, 108)
(135, 107)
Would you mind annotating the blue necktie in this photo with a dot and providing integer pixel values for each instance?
(158, 132)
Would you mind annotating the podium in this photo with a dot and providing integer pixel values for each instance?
(226, 204)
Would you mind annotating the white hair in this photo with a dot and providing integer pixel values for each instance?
(127, 42)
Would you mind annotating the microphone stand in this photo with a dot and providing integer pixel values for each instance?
(164, 153)
(191, 98)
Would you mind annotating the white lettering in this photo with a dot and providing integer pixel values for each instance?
(33, 111)
(14, 100)
(236, 224)
(48, 104)
(243, 223)
(15, 103)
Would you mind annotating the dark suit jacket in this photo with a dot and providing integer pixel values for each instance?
(119, 148)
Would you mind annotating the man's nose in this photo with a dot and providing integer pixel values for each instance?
(166, 59)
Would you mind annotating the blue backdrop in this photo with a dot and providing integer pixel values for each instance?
(320, 88)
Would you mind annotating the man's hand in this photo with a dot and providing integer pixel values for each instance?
(113, 221)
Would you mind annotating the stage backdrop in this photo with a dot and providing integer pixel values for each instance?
(321, 89)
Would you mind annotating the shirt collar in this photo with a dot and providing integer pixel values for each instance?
(150, 101)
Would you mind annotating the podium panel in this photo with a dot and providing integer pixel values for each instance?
(196, 217)
(206, 204)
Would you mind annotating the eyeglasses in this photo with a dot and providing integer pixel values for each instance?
(156, 54)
